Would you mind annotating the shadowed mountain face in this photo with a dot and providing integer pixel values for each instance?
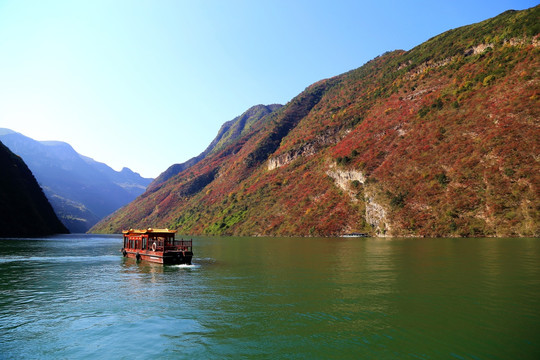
(24, 209)
(229, 132)
(81, 190)
(441, 140)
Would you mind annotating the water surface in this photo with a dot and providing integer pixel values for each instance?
(74, 296)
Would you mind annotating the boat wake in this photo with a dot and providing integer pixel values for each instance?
(185, 266)
(58, 259)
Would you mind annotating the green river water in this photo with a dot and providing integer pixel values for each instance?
(75, 297)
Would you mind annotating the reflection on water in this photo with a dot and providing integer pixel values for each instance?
(76, 296)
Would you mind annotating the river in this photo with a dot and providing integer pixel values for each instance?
(76, 297)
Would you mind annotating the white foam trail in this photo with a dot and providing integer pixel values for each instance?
(185, 266)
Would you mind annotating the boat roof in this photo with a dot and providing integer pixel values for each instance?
(149, 231)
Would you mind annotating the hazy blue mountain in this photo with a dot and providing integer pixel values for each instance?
(82, 191)
(24, 209)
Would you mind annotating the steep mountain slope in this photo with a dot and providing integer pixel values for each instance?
(229, 132)
(441, 140)
(24, 209)
(81, 190)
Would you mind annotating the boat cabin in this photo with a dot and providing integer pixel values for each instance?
(156, 245)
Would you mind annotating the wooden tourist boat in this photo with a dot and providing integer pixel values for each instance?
(157, 245)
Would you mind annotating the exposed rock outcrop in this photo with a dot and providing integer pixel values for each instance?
(330, 137)
(375, 214)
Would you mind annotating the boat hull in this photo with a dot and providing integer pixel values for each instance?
(165, 258)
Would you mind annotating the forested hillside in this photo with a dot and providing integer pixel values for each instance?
(441, 140)
(24, 209)
(229, 133)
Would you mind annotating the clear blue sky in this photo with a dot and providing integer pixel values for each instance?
(146, 84)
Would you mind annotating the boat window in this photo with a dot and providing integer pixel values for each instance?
(144, 243)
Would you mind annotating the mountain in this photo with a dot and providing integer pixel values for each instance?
(24, 209)
(229, 132)
(82, 191)
(441, 140)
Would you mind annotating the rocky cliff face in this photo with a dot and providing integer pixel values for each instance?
(353, 182)
(310, 148)
(440, 140)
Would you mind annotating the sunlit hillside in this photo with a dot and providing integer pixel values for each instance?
(441, 140)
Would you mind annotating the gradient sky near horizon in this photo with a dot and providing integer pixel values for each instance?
(146, 84)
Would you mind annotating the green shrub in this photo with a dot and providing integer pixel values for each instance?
(398, 200)
(488, 80)
(442, 179)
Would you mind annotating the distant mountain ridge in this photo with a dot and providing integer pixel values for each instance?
(24, 209)
(438, 141)
(229, 132)
(82, 191)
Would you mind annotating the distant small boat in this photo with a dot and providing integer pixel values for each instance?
(355, 235)
(157, 245)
